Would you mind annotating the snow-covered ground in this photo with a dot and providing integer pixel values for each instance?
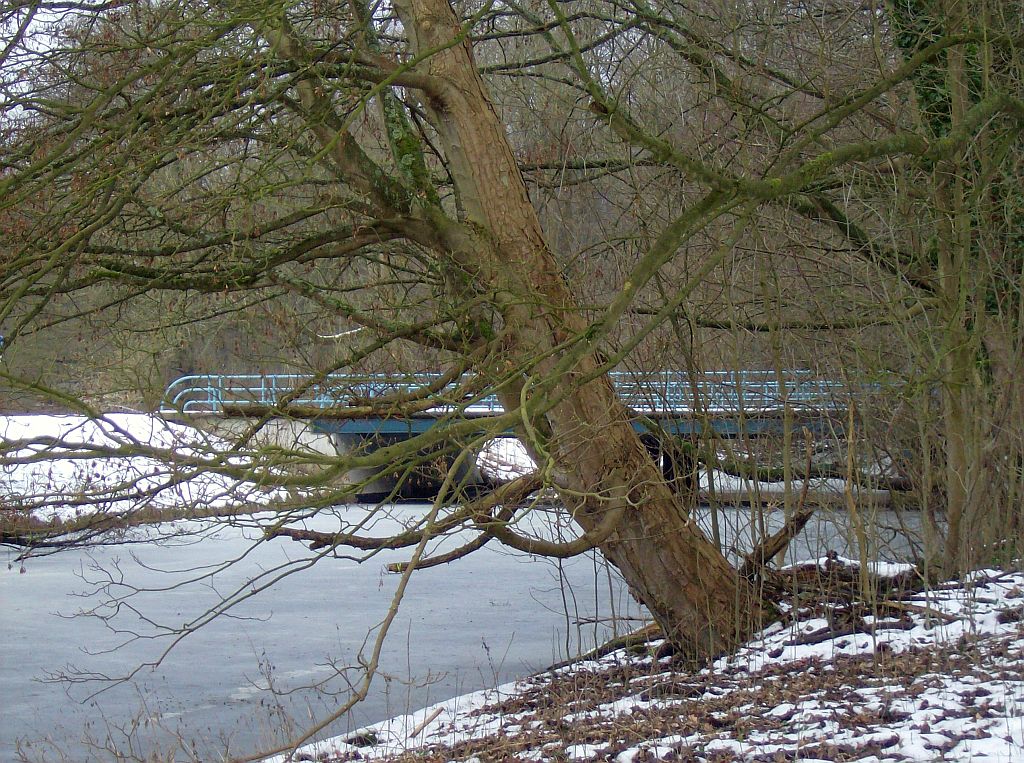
(935, 674)
(943, 680)
(62, 467)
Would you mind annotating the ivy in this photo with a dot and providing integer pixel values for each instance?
(916, 25)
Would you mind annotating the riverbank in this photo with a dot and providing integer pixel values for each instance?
(935, 674)
(504, 459)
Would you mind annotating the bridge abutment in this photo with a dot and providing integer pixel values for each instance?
(293, 434)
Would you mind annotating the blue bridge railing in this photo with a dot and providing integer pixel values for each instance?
(661, 392)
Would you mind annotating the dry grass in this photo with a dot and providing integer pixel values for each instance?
(574, 708)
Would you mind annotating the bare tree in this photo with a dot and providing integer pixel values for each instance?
(349, 166)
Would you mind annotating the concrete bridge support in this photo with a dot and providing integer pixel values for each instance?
(293, 434)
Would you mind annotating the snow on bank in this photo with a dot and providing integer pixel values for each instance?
(62, 467)
(941, 680)
(504, 458)
(730, 488)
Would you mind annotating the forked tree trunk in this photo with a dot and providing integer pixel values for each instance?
(599, 462)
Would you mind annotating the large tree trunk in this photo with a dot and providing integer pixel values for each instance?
(599, 462)
(964, 406)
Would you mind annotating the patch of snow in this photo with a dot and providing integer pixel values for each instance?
(882, 569)
(445, 722)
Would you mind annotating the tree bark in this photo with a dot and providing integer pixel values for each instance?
(962, 405)
(599, 463)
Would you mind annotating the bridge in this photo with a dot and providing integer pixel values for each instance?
(335, 414)
(733, 402)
